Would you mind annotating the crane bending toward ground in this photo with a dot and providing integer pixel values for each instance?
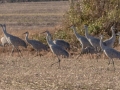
(56, 49)
(37, 45)
(13, 40)
(109, 52)
(95, 42)
(91, 51)
(83, 40)
(110, 42)
(65, 45)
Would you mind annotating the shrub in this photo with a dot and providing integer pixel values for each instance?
(100, 15)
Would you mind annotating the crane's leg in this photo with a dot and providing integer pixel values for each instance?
(113, 64)
(57, 62)
(19, 52)
(40, 54)
(98, 56)
(12, 51)
(8, 48)
(79, 55)
(109, 61)
(36, 54)
(96, 48)
(82, 52)
(3, 49)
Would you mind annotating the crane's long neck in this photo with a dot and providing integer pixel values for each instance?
(119, 39)
(49, 40)
(101, 45)
(76, 34)
(4, 31)
(26, 38)
(86, 32)
(113, 34)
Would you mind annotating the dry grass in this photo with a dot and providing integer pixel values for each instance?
(35, 73)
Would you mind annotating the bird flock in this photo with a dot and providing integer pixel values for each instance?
(89, 44)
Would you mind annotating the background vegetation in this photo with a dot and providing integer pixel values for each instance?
(100, 15)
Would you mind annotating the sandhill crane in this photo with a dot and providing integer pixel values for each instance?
(62, 43)
(56, 49)
(13, 40)
(109, 52)
(110, 42)
(37, 45)
(93, 41)
(90, 51)
(83, 40)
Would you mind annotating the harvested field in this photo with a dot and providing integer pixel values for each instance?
(33, 15)
(35, 73)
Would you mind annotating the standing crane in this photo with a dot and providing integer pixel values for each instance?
(109, 52)
(56, 49)
(93, 41)
(13, 40)
(110, 42)
(37, 45)
(83, 40)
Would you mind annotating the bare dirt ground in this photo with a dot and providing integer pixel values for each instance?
(35, 73)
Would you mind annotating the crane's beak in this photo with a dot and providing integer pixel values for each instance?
(25, 33)
(44, 32)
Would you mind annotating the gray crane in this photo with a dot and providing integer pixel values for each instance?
(13, 40)
(110, 42)
(90, 51)
(83, 40)
(37, 45)
(65, 45)
(93, 41)
(56, 49)
(109, 52)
